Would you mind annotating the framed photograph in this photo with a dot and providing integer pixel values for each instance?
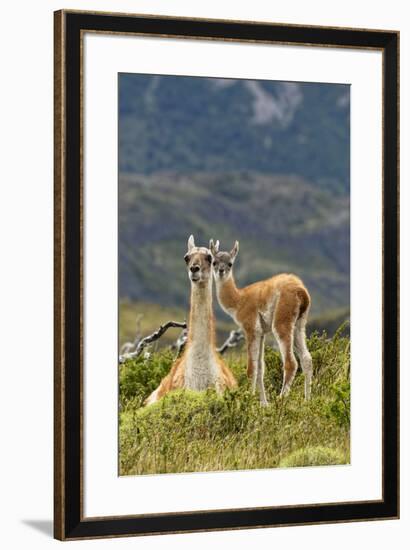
(226, 275)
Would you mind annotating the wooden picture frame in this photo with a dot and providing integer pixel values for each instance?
(70, 522)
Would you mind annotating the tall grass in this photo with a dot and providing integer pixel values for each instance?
(189, 431)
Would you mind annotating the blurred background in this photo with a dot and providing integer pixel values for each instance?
(264, 162)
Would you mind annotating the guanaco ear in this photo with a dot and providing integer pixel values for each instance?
(235, 250)
(191, 243)
(214, 247)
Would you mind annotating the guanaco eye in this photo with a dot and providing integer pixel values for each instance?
(209, 258)
(230, 264)
(214, 263)
(186, 258)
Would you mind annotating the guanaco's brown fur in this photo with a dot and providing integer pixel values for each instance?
(199, 366)
(279, 305)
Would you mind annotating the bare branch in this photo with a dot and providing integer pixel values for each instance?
(151, 338)
(234, 338)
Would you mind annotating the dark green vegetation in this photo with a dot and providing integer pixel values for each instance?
(189, 431)
(185, 125)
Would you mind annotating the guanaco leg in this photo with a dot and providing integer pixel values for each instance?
(283, 329)
(302, 352)
(256, 363)
(261, 372)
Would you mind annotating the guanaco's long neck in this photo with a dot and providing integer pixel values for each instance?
(228, 293)
(201, 319)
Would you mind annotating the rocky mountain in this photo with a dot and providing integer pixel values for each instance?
(188, 124)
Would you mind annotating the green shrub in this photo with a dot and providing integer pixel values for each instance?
(339, 407)
(190, 431)
(139, 377)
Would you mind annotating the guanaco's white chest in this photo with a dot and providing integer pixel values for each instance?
(201, 368)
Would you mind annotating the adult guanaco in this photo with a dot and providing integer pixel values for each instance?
(199, 367)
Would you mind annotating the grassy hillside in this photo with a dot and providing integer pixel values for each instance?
(330, 321)
(150, 316)
(283, 224)
(189, 431)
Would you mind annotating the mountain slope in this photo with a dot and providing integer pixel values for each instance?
(283, 223)
(186, 124)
